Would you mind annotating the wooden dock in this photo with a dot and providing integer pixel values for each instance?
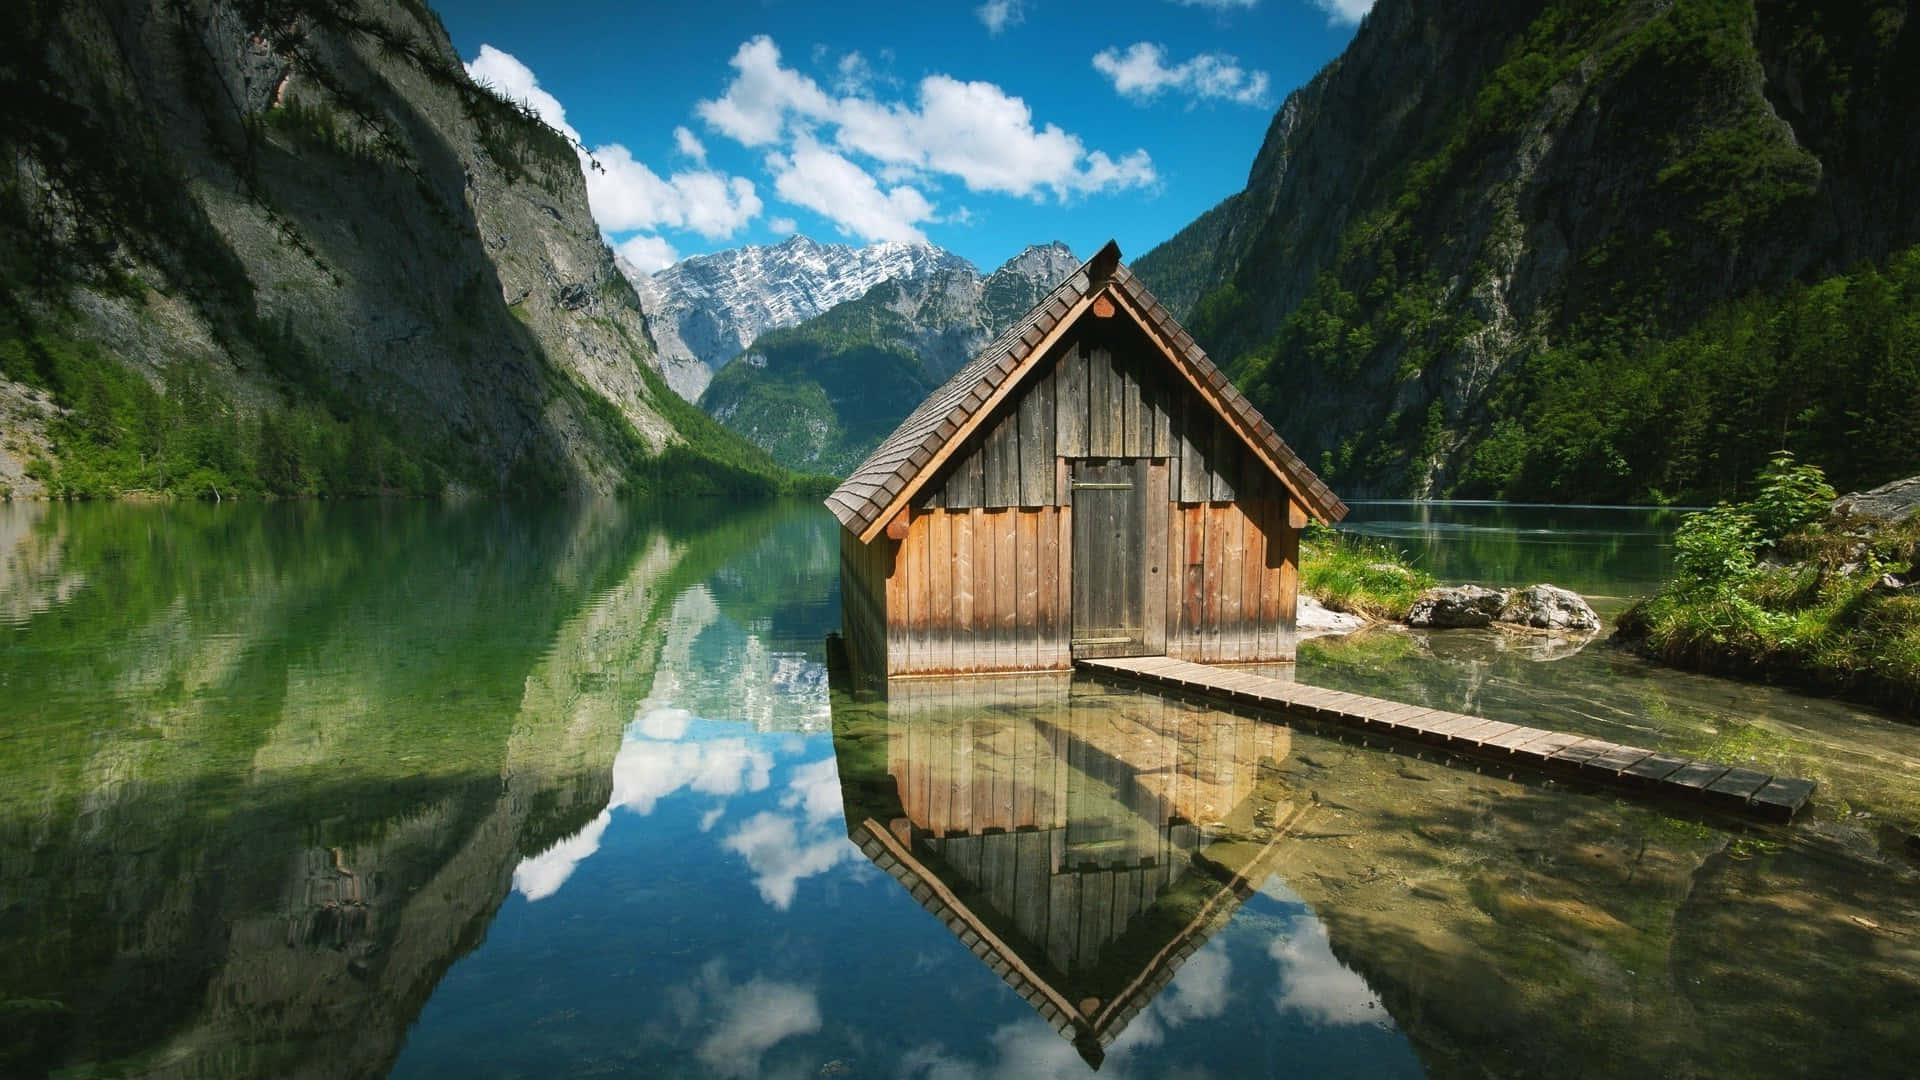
(1774, 798)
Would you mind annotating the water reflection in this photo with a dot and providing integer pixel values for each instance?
(1086, 844)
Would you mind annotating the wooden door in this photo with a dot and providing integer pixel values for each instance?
(1110, 557)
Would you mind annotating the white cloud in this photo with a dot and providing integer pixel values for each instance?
(783, 225)
(974, 131)
(1000, 14)
(689, 144)
(624, 193)
(648, 254)
(856, 75)
(780, 860)
(646, 771)
(1142, 73)
(1343, 12)
(662, 723)
(814, 786)
(830, 185)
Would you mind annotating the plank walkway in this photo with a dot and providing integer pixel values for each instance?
(1774, 798)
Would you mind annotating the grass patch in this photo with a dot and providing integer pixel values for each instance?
(1358, 575)
(1820, 607)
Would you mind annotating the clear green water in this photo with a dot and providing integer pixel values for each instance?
(367, 789)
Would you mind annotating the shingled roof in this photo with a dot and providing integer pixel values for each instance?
(907, 459)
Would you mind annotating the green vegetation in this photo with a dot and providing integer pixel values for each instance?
(1354, 574)
(1665, 350)
(1773, 589)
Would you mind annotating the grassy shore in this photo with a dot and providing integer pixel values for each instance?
(1360, 576)
(1803, 599)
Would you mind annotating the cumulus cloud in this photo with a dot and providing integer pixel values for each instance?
(648, 254)
(689, 144)
(780, 859)
(542, 875)
(743, 1022)
(646, 771)
(1142, 73)
(814, 788)
(837, 189)
(1000, 14)
(863, 161)
(624, 193)
(1343, 12)
(783, 225)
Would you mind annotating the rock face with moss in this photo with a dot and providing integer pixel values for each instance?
(294, 248)
(1578, 250)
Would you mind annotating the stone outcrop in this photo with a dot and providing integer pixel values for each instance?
(1887, 503)
(1540, 607)
(1457, 606)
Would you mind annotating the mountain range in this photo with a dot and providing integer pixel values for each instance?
(820, 395)
(704, 310)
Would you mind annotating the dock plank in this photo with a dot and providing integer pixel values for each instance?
(1774, 798)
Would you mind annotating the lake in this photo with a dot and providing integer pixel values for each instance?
(481, 790)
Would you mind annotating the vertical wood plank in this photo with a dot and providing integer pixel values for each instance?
(1217, 540)
(1036, 442)
(1136, 438)
(961, 548)
(939, 592)
(1174, 572)
(1232, 603)
(1163, 386)
(1290, 569)
(1063, 610)
(896, 604)
(1195, 598)
(1224, 461)
(1027, 565)
(1070, 404)
(985, 597)
(1102, 440)
(1195, 483)
(1156, 570)
(1046, 562)
(1006, 569)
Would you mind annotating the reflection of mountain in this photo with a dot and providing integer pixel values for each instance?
(1082, 843)
(300, 800)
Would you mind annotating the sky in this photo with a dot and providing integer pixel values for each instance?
(982, 127)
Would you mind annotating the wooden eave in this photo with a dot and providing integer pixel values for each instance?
(887, 481)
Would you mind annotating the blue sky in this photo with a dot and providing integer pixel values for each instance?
(979, 126)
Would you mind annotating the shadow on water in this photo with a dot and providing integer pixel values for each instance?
(1083, 840)
(269, 769)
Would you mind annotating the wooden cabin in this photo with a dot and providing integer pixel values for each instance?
(1089, 485)
(1082, 842)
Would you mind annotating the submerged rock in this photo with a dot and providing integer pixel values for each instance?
(1549, 607)
(1456, 606)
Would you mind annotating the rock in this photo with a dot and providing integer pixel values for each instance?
(1457, 605)
(1314, 619)
(1549, 607)
(1892, 502)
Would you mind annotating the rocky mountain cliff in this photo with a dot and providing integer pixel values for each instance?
(1580, 250)
(819, 396)
(705, 309)
(292, 247)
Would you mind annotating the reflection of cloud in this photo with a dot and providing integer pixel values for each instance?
(542, 875)
(1199, 990)
(815, 786)
(647, 771)
(751, 1018)
(779, 860)
(663, 724)
(1316, 985)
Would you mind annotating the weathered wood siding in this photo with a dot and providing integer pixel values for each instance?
(982, 579)
(863, 598)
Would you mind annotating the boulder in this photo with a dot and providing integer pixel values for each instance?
(1457, 605)
(1314, 619)
(1548, 607)
(1893, 502)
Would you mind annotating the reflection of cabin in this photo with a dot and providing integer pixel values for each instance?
(1082, 844)
(1089, 485)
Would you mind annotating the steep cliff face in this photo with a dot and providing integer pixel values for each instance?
(299, 229)
(706, 309)
(1500, 247)
(821, 395)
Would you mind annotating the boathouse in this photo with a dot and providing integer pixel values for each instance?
(1089, 485)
